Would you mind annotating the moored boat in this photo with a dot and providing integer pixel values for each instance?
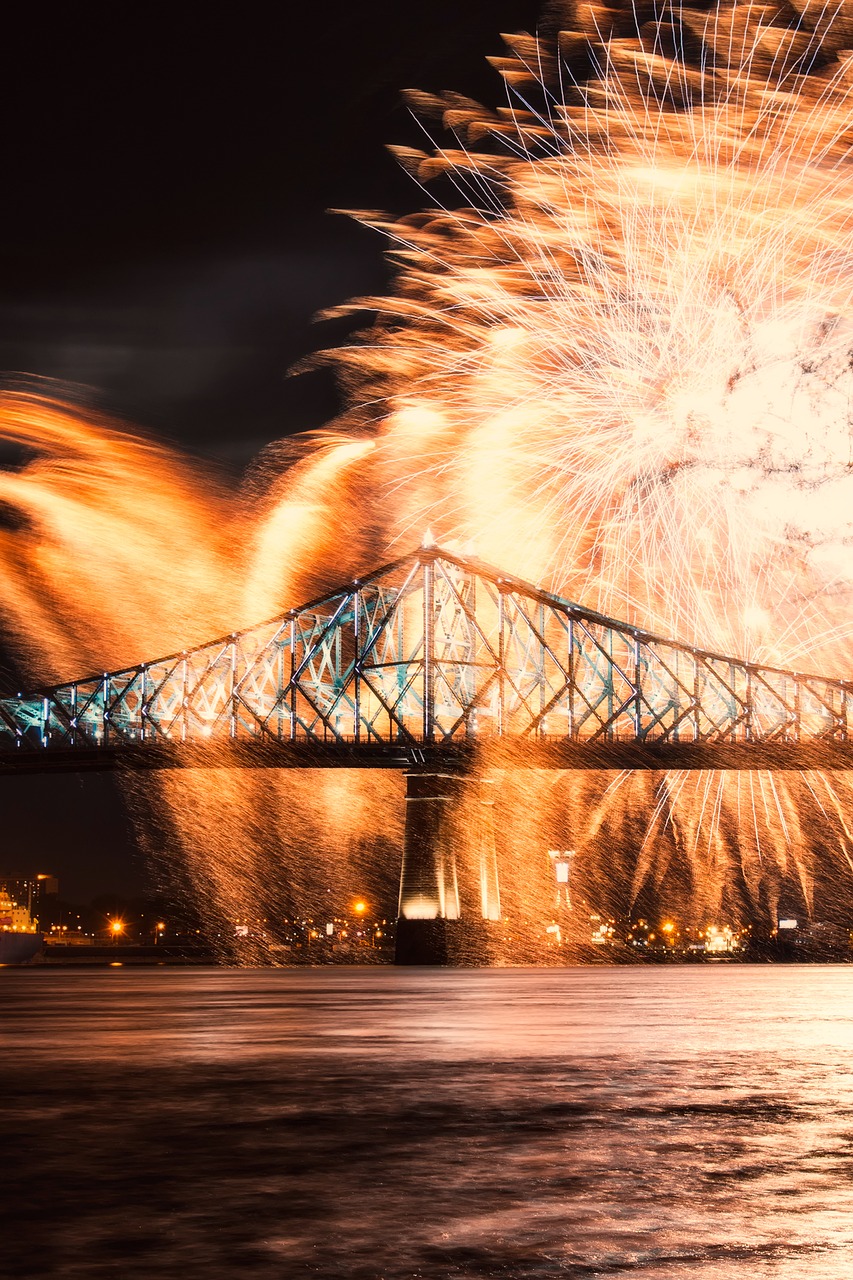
(20, 940)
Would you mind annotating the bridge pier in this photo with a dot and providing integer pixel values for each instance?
(449, 892)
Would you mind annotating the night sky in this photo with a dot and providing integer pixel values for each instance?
(166, 236)
(166, 246)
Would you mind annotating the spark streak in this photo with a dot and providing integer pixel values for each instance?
(618, 359)
(627, 336)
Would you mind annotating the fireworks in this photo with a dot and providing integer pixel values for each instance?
(618, 360)
(624, 367)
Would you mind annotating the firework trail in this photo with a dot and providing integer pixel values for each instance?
(618, 360)
(625, 366)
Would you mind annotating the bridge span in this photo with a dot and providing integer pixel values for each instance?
(447, 669)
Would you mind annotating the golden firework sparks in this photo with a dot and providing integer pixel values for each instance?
(618, 359)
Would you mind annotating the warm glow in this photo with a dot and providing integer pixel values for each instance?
(756, 619)
(627, 375)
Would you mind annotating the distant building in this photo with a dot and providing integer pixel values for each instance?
(31, 890)
(720, 939)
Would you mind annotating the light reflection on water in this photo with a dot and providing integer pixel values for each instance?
(692, 1122)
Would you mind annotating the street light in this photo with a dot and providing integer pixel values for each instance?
(159, 930)
(116, 928)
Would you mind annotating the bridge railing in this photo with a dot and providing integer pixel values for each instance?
(432, 648)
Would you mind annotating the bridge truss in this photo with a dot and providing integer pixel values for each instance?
(427, 661)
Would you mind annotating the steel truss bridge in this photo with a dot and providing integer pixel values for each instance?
(431, 663)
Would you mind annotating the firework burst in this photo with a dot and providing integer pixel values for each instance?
(624, 366)
(619, 359)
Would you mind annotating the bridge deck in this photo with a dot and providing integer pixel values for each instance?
(456, 757)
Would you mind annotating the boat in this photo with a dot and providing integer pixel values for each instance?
(20, 940)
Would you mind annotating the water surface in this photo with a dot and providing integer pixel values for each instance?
(380, 1123)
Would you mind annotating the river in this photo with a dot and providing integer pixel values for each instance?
(690, 1122)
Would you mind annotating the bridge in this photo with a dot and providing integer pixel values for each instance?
(445, 668)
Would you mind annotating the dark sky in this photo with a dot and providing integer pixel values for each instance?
(165, 242)
(166, 239)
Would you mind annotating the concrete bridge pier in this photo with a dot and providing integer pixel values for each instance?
(449, 892)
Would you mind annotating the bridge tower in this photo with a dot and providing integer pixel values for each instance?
(449, 892)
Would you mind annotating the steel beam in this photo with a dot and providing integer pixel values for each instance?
(444, 656)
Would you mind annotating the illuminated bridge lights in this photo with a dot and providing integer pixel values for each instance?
(429, 658)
